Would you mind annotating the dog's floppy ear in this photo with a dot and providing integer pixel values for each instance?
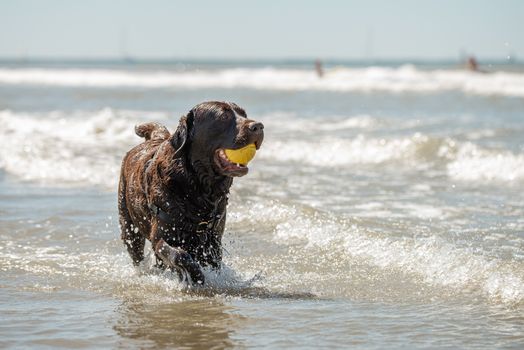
(180, 137)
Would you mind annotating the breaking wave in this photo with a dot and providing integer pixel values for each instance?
(68, 148)
(463, 161)
(432, 259)
(474, 163)
(424, 260)
(395, 80)
(87, 147)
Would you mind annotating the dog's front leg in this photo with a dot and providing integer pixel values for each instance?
(179, 259)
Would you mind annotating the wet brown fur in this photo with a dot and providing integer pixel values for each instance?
(177, 173)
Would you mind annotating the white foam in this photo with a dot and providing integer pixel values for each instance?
(464, 161)
(320, 123)
(434, 260)
(68, 148)
(86, 147)
(331, 151)
(113, 270)
(473, 163)
(397, 80)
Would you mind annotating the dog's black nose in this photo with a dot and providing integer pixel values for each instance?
(256, 127)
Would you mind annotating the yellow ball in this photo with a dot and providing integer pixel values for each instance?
(242, 155)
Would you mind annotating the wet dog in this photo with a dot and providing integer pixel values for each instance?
(174, 188)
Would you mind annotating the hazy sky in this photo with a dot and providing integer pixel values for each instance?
(261, 29)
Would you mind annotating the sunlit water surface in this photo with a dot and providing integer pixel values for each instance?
(384, 210)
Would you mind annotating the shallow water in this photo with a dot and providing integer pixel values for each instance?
(385, 209)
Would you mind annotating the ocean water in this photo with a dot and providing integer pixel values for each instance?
(385, 209)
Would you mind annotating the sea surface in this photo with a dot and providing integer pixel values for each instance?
(385, 208)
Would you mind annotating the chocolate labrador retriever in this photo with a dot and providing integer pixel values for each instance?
(174, 187)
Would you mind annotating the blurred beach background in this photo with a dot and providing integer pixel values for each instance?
(385, 208)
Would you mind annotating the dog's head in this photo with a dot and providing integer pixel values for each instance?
(212, 127)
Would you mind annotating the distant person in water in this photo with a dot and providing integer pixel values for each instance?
(472, 65)
(318, 68)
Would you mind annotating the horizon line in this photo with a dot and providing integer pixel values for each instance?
(290, 59)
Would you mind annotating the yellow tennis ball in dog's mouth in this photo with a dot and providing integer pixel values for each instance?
(242, 155)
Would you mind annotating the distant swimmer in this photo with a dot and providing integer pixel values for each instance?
(318, 68)
(472, 65)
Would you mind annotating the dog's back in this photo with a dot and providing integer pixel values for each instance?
(130, 189)
(152, 131)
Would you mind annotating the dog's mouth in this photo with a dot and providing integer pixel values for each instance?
(227, 167)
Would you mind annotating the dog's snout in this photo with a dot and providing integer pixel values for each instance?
(256, 127)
